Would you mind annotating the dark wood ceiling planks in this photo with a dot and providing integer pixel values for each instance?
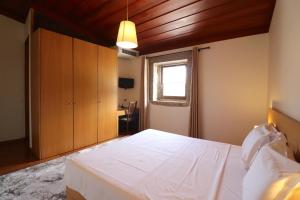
(15, 9)
(161, 24)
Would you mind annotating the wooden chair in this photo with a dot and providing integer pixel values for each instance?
(130, 114)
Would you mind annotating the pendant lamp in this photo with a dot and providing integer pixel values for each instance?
(127, 34)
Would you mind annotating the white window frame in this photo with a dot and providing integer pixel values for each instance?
(156, 93)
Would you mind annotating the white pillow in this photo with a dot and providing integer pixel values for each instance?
(257, 137)
(279, 144)
(267, 167)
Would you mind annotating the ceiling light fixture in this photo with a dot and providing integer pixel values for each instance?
(127, 34)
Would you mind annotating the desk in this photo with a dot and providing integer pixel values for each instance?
(121, 112)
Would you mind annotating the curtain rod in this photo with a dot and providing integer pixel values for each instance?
(204, 48)
(199, 49)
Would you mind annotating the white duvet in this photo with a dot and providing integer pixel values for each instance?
(157, 165)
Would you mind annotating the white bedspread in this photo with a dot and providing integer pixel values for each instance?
(157, 165)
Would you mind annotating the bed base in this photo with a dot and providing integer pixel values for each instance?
(73, 194)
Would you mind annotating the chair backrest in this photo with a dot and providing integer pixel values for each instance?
(130, 111)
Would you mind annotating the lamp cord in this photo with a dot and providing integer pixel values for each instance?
(127, 10)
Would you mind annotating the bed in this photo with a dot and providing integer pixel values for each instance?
(157, 165)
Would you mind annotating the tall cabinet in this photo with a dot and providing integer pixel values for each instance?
(85, 93)
(51, 93)
(107, 90)
(73, 93)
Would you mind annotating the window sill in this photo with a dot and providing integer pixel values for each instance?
(174, 103)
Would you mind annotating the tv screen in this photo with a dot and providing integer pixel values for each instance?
(126, 83)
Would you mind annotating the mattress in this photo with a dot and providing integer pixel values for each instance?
(157, 165)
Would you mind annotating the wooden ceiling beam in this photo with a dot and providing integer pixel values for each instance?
(137, 8)
(161, 9)
(15, 9)
(182, 12)
(158, 21)
(148, 14)
(191, 41)
(108, 10)
(66, 7)
(12, 14)
(209, 10)
(271, 10)
(191, 9)
(218, 25)
(207, 18)
(85, 8)
(70, 24)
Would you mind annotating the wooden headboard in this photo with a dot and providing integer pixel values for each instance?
(287, 125)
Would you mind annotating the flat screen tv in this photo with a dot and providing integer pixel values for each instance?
(126, 83)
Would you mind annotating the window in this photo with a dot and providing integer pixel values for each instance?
(173, 80)
(170, 82)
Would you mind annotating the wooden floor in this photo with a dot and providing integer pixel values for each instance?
(15, 155)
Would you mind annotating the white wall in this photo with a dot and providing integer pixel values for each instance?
(233, 88)
(233, 91)
(284, 84)
(170, 119)
(12, 88)
(130, 68)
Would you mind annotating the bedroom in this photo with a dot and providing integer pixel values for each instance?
(239, 60)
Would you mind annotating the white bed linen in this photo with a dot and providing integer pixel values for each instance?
(157, 165)
(232, 182)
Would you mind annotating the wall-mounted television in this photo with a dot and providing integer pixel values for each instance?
(126, 83)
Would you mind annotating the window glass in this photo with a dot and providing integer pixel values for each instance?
(169, 79)
(174, 81)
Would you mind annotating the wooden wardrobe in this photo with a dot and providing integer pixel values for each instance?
(73, 93)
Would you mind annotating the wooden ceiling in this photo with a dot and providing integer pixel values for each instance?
(161, 24)
(15, 9)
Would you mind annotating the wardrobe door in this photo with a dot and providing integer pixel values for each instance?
(85, 93)
(107, 94)
(35, 93)
(56, 67)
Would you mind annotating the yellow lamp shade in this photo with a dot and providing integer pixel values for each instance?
(127, 35)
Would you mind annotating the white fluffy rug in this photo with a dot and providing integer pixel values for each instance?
(39, 182)
(43, 181)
